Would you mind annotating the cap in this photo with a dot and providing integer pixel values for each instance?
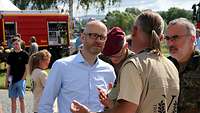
(115, 41)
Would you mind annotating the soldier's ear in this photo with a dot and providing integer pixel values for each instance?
(193, 38)
(134, 29)
(161, 37)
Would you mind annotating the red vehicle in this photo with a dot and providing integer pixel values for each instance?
(51, 29)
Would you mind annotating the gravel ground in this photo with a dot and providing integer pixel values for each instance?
(5, 101)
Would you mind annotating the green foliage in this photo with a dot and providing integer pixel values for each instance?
(126, 19)
(43, 4)
(2, 80)
(35, 4)
(164, 48)
(22, 4)
(46, 4)
(99, 4)
(174, 13)
(133, 11)
(123, 20)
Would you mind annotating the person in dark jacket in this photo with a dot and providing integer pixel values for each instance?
(180, 37)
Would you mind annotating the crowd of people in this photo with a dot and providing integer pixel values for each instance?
(108, 76)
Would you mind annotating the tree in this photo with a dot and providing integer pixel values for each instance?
(174, 13)
(34, 4)
(22, 4)
(123, 20)
(45, 4)
(133, 11)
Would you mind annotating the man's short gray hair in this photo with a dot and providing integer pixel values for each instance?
(191, 30)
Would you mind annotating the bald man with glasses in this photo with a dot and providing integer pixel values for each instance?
(78, 76)
(180, 38)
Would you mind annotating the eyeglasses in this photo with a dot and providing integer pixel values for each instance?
(95, 36)
(174, 37)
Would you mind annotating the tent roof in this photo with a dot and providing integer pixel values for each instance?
(7, 5)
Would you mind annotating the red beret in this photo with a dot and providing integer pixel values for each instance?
(115, 41)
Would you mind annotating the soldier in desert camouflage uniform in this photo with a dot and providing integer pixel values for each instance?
(180, 37)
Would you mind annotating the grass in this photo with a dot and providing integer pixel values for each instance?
(3, 78)
(164, 49)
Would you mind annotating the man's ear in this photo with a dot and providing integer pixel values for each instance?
(193, 38)
(161, 37)
(134, 31)
(126, 45)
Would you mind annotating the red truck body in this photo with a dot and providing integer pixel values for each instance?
(50, 28)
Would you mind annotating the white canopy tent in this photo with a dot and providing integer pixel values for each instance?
(7, 5)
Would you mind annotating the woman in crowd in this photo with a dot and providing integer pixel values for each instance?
(38, 63)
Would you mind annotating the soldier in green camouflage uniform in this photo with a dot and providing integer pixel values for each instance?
(180, 38)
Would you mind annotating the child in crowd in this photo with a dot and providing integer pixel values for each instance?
(38, 62)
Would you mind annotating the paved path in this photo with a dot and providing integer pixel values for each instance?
(5, 101)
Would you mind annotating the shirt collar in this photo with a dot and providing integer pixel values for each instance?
(80, 59)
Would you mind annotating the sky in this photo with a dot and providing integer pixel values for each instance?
(156, 5)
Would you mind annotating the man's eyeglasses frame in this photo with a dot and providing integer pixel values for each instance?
(95, 36)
